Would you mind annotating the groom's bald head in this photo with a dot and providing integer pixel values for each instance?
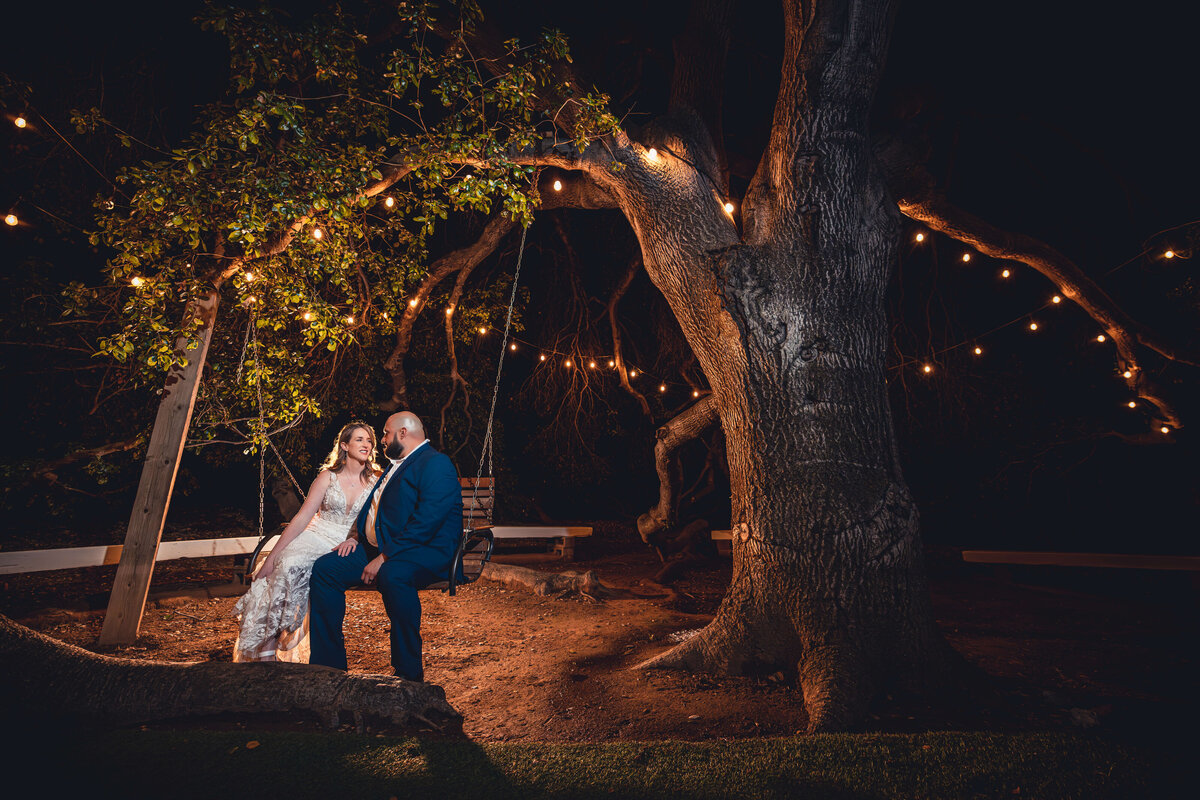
(401, 433)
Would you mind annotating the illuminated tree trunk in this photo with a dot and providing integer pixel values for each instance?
(788, 322)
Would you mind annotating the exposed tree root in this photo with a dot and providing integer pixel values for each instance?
(837, 687)
(543, 584)
(43, 677)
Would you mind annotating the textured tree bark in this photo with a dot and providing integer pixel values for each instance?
(43, 678)
(790, 328)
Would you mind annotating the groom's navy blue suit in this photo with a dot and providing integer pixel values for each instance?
(418, 526)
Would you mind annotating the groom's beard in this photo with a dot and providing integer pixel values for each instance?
(394, 450)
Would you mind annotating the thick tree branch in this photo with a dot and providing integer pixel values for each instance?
(687, 425)
(920, 200)
(698, 79)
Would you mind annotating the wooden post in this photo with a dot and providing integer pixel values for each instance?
(128, 598)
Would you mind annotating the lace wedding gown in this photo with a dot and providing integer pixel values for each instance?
(274, 612)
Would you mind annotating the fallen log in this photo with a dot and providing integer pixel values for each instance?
(44, 677)
(546, 583)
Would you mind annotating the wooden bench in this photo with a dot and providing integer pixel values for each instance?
(478, 512)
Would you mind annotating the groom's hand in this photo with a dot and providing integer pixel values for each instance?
(346, 548)
(372, 569)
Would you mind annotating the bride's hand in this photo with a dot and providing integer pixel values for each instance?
(267, 568)
(346, 548)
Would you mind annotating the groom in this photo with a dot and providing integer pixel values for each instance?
(406, 535)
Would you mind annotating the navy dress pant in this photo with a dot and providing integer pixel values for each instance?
(397, 581)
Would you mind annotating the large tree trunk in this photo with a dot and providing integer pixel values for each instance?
(44, 678)
(828, 581)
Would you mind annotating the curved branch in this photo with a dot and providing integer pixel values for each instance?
(929, 207)
(463, 260)
(687, 425)
(456, 379)
(623, 373)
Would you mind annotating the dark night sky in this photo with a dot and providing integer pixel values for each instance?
(1067, 123)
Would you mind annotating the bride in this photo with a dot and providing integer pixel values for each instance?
(274, 612)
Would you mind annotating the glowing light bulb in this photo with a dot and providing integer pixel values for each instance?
(308, 316)
(633, 373)
(662, 387)
(1132, 404)
(11, 220)
(20, 122)
(512, 346)
(317, 234)
(542, 357)
(978, 351)
(558, 186)
(449, 310)
(1169, 254)
(567, 363)
(412, 303)
(695, 393)
(591, 365)
(729, 208)
(389, 201)
(920, 237)
(482, 330)
(136, 281)
(249, 277)
(349, 320)
(1006, 273)
(1127, 374)
(1056, 299)
(1165, 429)
(652, 154)
(1101, 338)
(612, 363)
(966, 257)
(251, 299)
(1033, 326)
(927, 369)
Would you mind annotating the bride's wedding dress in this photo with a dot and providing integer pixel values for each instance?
(274, 612)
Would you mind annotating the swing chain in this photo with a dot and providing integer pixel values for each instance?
(486, 453)
(262, 453)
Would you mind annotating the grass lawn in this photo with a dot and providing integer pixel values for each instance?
(207, 764)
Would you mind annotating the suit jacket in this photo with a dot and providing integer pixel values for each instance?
(420, 511)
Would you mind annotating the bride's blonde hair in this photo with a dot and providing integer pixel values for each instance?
(337, 456)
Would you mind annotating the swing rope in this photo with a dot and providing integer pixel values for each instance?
(486, 452)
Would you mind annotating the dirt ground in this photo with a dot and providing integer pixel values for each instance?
(1108, 653)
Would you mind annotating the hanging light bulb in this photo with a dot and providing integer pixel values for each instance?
(449, 310)
(1127, 374)
(1100, 338)
(662, 387)
(695, 393)
(1056, 299)
(316, 234)
(1169, 254)
(1033, 326)
(1132, 404)
(11, 220)
(249, 277)
(308, 316)
(652, 154)
(1165, 429)
(611, 363)
(389, 201)
(136, 281)
(20, 122)
(482, 330)
(633, 373)
(928, 368)
(920, 237)
(1006, 273)
(728, 208)
(349, 319)
(591, 365)
(567, 363)
(251, 299)
(542, 357)
(558, 186)
(966, 257)
(512, 346)
(978, 350)
(412, 303)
